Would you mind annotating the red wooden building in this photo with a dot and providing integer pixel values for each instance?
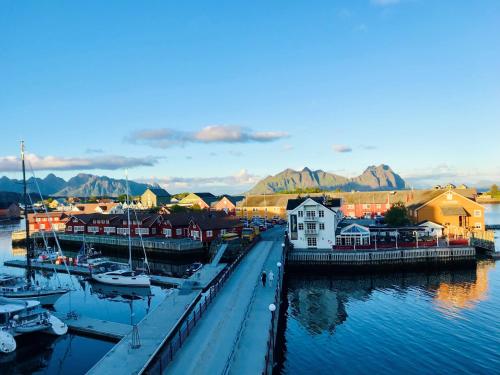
(42, 221)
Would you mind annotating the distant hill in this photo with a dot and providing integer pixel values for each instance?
(82, 185)
(380, 177)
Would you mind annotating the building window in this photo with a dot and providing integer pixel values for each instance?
(348, 240)
(93, 229)
(311, 242)
(477, 213)
(79, 228)
(321, 213)
(70, 228)
(301, 226)
(122, 231)
(351, 206)
(322, 226)
(223, 231)
(301, 213)
(168, 232)
(366, 206)
(378, 206)
(178, 231)
(311, 214)
(141, 231)
(478, 226)
(311, 226)
(209, 233)
(109, 230)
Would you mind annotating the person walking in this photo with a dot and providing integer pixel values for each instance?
(263, 277)
(271, 278)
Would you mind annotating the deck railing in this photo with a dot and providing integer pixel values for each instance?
(165, 355)
(269, 357)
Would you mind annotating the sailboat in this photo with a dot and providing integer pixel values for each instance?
(127, 276)
(23, 317)
(14, 287)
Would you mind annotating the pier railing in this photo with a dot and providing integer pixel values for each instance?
(269, 358)
(165, 355)
(122, 241)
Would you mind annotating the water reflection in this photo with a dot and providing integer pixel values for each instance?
(453, 297)
(393, 323)
(319, 302)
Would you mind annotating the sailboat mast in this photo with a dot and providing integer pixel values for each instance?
(128, 222)
(26, 222)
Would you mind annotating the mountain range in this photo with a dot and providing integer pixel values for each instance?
(82, 185)
(380, 177)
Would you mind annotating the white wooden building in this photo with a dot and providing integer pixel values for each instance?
(312, 222)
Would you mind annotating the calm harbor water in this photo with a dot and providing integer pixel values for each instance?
(74, 354)
(395, 323)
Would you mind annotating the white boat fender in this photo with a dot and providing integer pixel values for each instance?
(57, 327)
(7, 342)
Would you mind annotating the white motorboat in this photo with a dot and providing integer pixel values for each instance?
(24, 317)
(15, 287)
(124, 277)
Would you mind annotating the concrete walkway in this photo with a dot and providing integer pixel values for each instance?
(221, 333)
(251, 348)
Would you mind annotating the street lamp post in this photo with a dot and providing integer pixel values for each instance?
(272, 308)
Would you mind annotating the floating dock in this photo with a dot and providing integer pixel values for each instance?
(103, 329)
(199, 280)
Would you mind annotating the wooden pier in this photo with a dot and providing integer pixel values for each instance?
(103, 329)
(159, 244)
(377, 257)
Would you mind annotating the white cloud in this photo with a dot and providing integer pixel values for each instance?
(237, 183)
(341, 148)
(444, 173)
(165, 138)
(54, 163)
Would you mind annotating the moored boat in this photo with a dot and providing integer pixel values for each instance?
(24, 317)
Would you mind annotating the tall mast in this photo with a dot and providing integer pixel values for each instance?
(26, 222)
(128, 223)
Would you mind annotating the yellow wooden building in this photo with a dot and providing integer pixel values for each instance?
(460, 215)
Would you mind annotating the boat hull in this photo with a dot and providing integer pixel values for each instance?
(137, 281)
(46, 298)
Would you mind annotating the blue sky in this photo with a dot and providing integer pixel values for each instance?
(214, 95)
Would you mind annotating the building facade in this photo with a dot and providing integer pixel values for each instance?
(54, 220)
(154, 197)
(312, 222)
(227, 204)
(458, 214)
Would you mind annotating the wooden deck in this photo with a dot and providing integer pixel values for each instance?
(375, 257)
(151, 243)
